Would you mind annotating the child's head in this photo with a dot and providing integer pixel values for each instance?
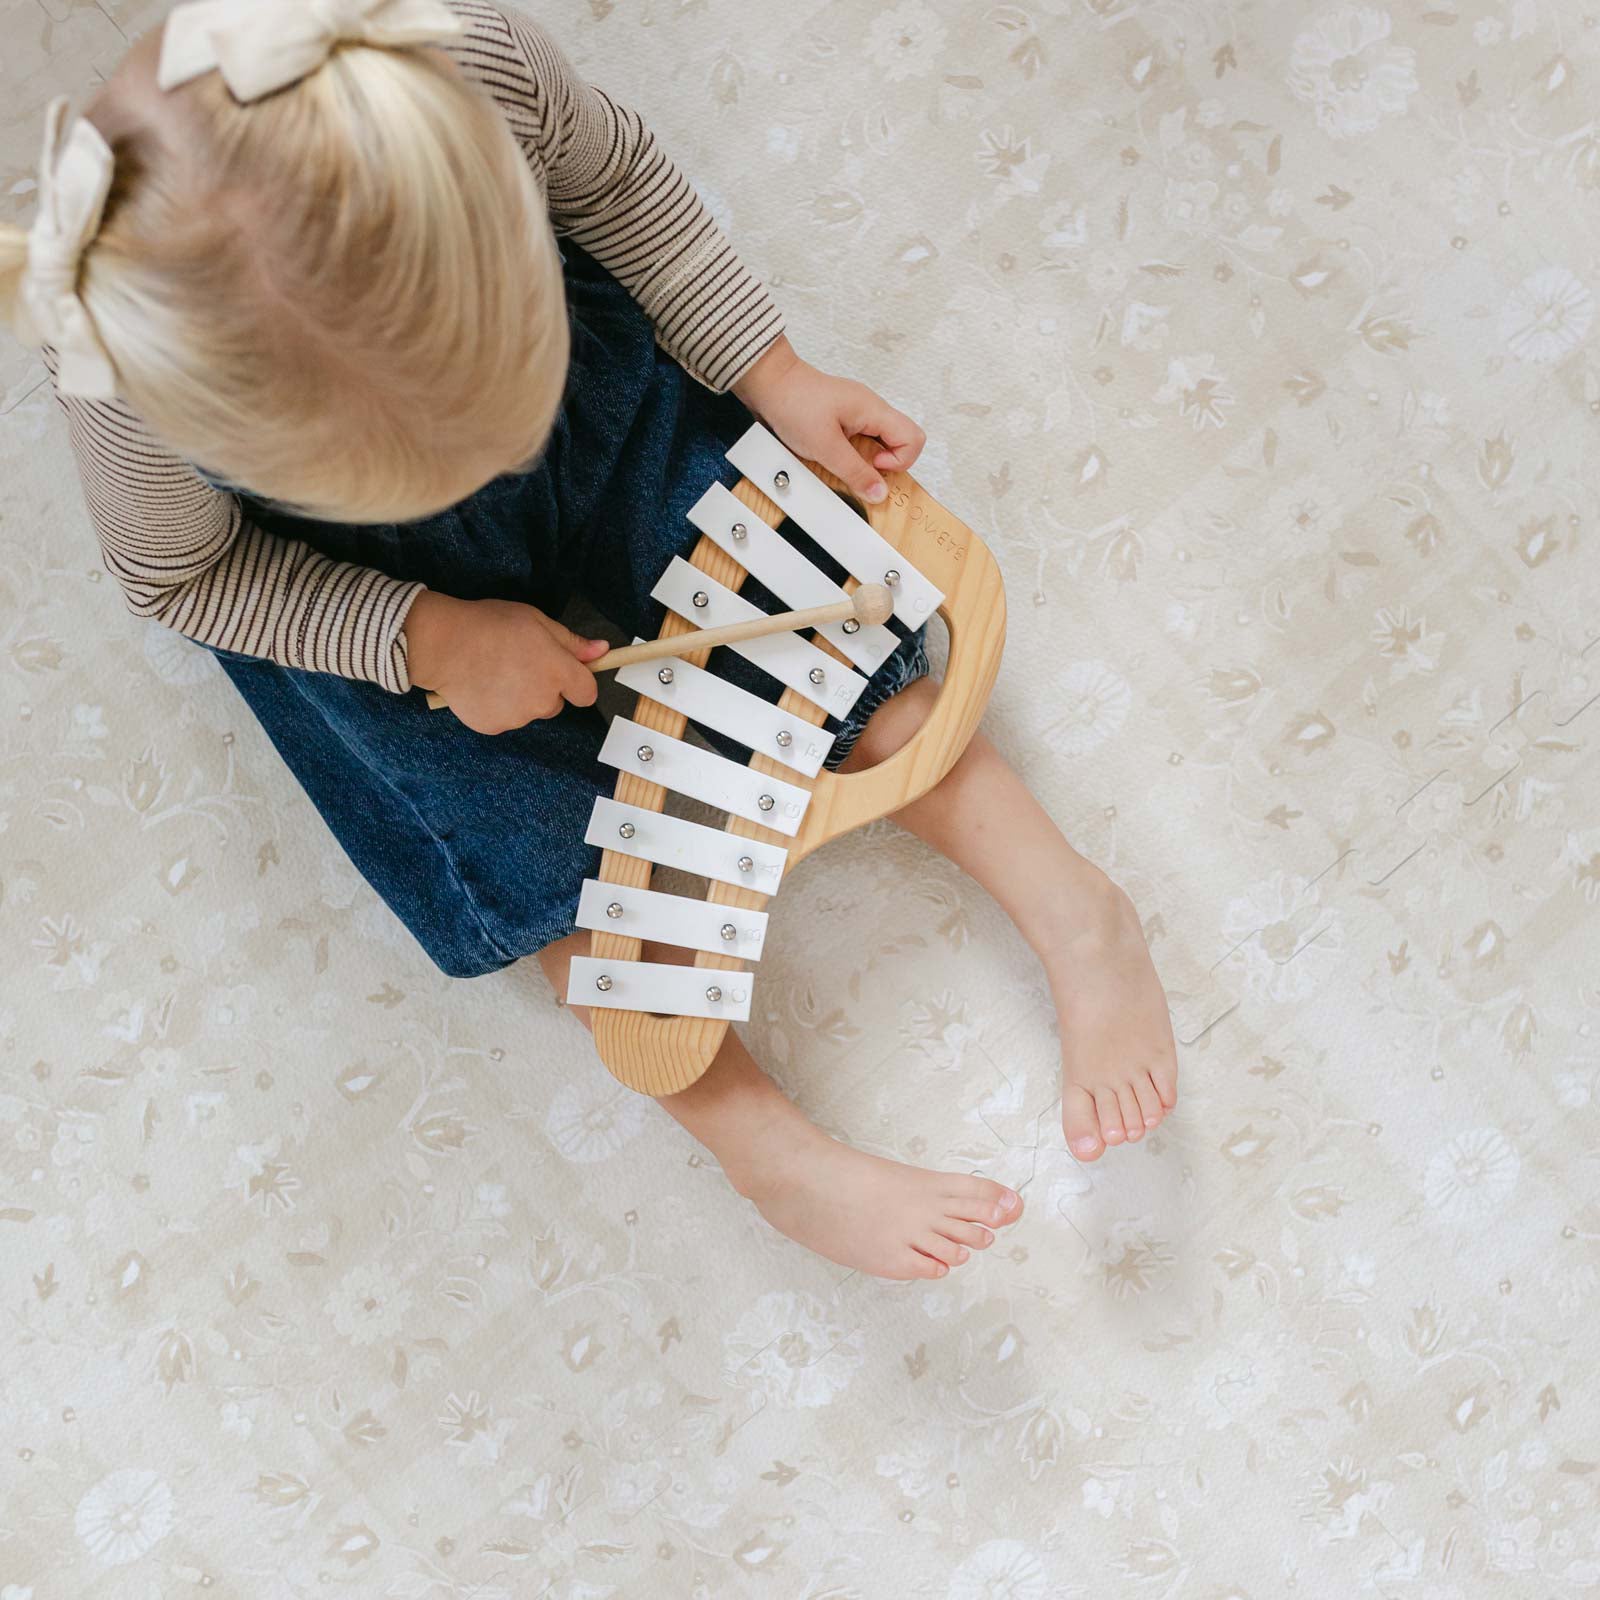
(344, 296)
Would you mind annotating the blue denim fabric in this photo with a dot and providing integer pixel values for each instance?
(476, 842)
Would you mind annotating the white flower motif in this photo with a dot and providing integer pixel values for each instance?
(1580, 856)
(1199, 391)
(631, 1485)
(1546, 315)
(1091, 702)
(237, 1419)
(88, 722)
(1237, 1379)
(913, 1473)
(1574, 1089)
(1406, 642)
(124, 1515)
(906, 41)
(783, 142)
(1180, 620)
(175, 659)
(77, 1140)
(1266, 926)
(369, 1304)
(230, 1008)
(489, 1201)
(1350, 73)
(1300, 519)
(787, 1346)
(593, 1117)
(1065, 226)
(1513, 1546)
(1097, 1497)
(939, 1030)
(1001, 1569)
(1188, 203)
(1472, 1176)
(1432, 408)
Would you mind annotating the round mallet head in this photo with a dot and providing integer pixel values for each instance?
(874, 604)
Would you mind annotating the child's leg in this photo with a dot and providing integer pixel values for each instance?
(1119, 1065)
(860, 1210)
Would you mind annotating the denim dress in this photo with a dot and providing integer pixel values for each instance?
(475, 841)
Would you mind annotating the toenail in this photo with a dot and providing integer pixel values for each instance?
(1151, 1122)
(998, 1213)
(1084, 1146)
(1008, 1198)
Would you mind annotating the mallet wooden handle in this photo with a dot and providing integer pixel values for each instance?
(870, 603)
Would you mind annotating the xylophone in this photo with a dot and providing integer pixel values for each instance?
(659, 1025)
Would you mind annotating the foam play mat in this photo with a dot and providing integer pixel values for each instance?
(1258, 342)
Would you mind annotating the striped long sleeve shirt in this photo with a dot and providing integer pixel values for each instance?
(184, 552)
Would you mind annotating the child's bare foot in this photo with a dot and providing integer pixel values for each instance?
(1119, 1065)
(878, 1216)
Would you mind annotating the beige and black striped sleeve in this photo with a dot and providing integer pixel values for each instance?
(614, 190)
(186, 556)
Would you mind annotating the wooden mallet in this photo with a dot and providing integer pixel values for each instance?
(868, 605)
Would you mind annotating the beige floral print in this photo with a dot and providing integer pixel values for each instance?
(1260, 343)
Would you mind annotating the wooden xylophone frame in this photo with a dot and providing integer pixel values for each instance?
(659, 1055)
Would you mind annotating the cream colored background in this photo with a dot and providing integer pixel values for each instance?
(1259, 339)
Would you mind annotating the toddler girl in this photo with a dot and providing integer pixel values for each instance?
(381, 337)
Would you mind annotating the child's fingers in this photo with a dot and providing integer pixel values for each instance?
(840, 459)
(574, 643)
(576, 682)
(902, 438)
(579, 686)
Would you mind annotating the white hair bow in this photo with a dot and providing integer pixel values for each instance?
(74, 179)
(262, 45)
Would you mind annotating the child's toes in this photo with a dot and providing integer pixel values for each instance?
(967, 1233)
(921, 1266)
(1165, 1077)
(1144, 1091)
(1111, 1129)
(1132, 1116)
(943, 1249)
(1080, 1122)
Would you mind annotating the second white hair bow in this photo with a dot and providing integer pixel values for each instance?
(75, 173)
(260, 46)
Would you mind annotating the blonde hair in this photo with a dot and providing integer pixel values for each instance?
(345, 297)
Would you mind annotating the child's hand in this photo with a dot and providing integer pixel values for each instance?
(815, 413)
(499, 665)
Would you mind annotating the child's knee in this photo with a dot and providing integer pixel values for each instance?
(892, 725)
